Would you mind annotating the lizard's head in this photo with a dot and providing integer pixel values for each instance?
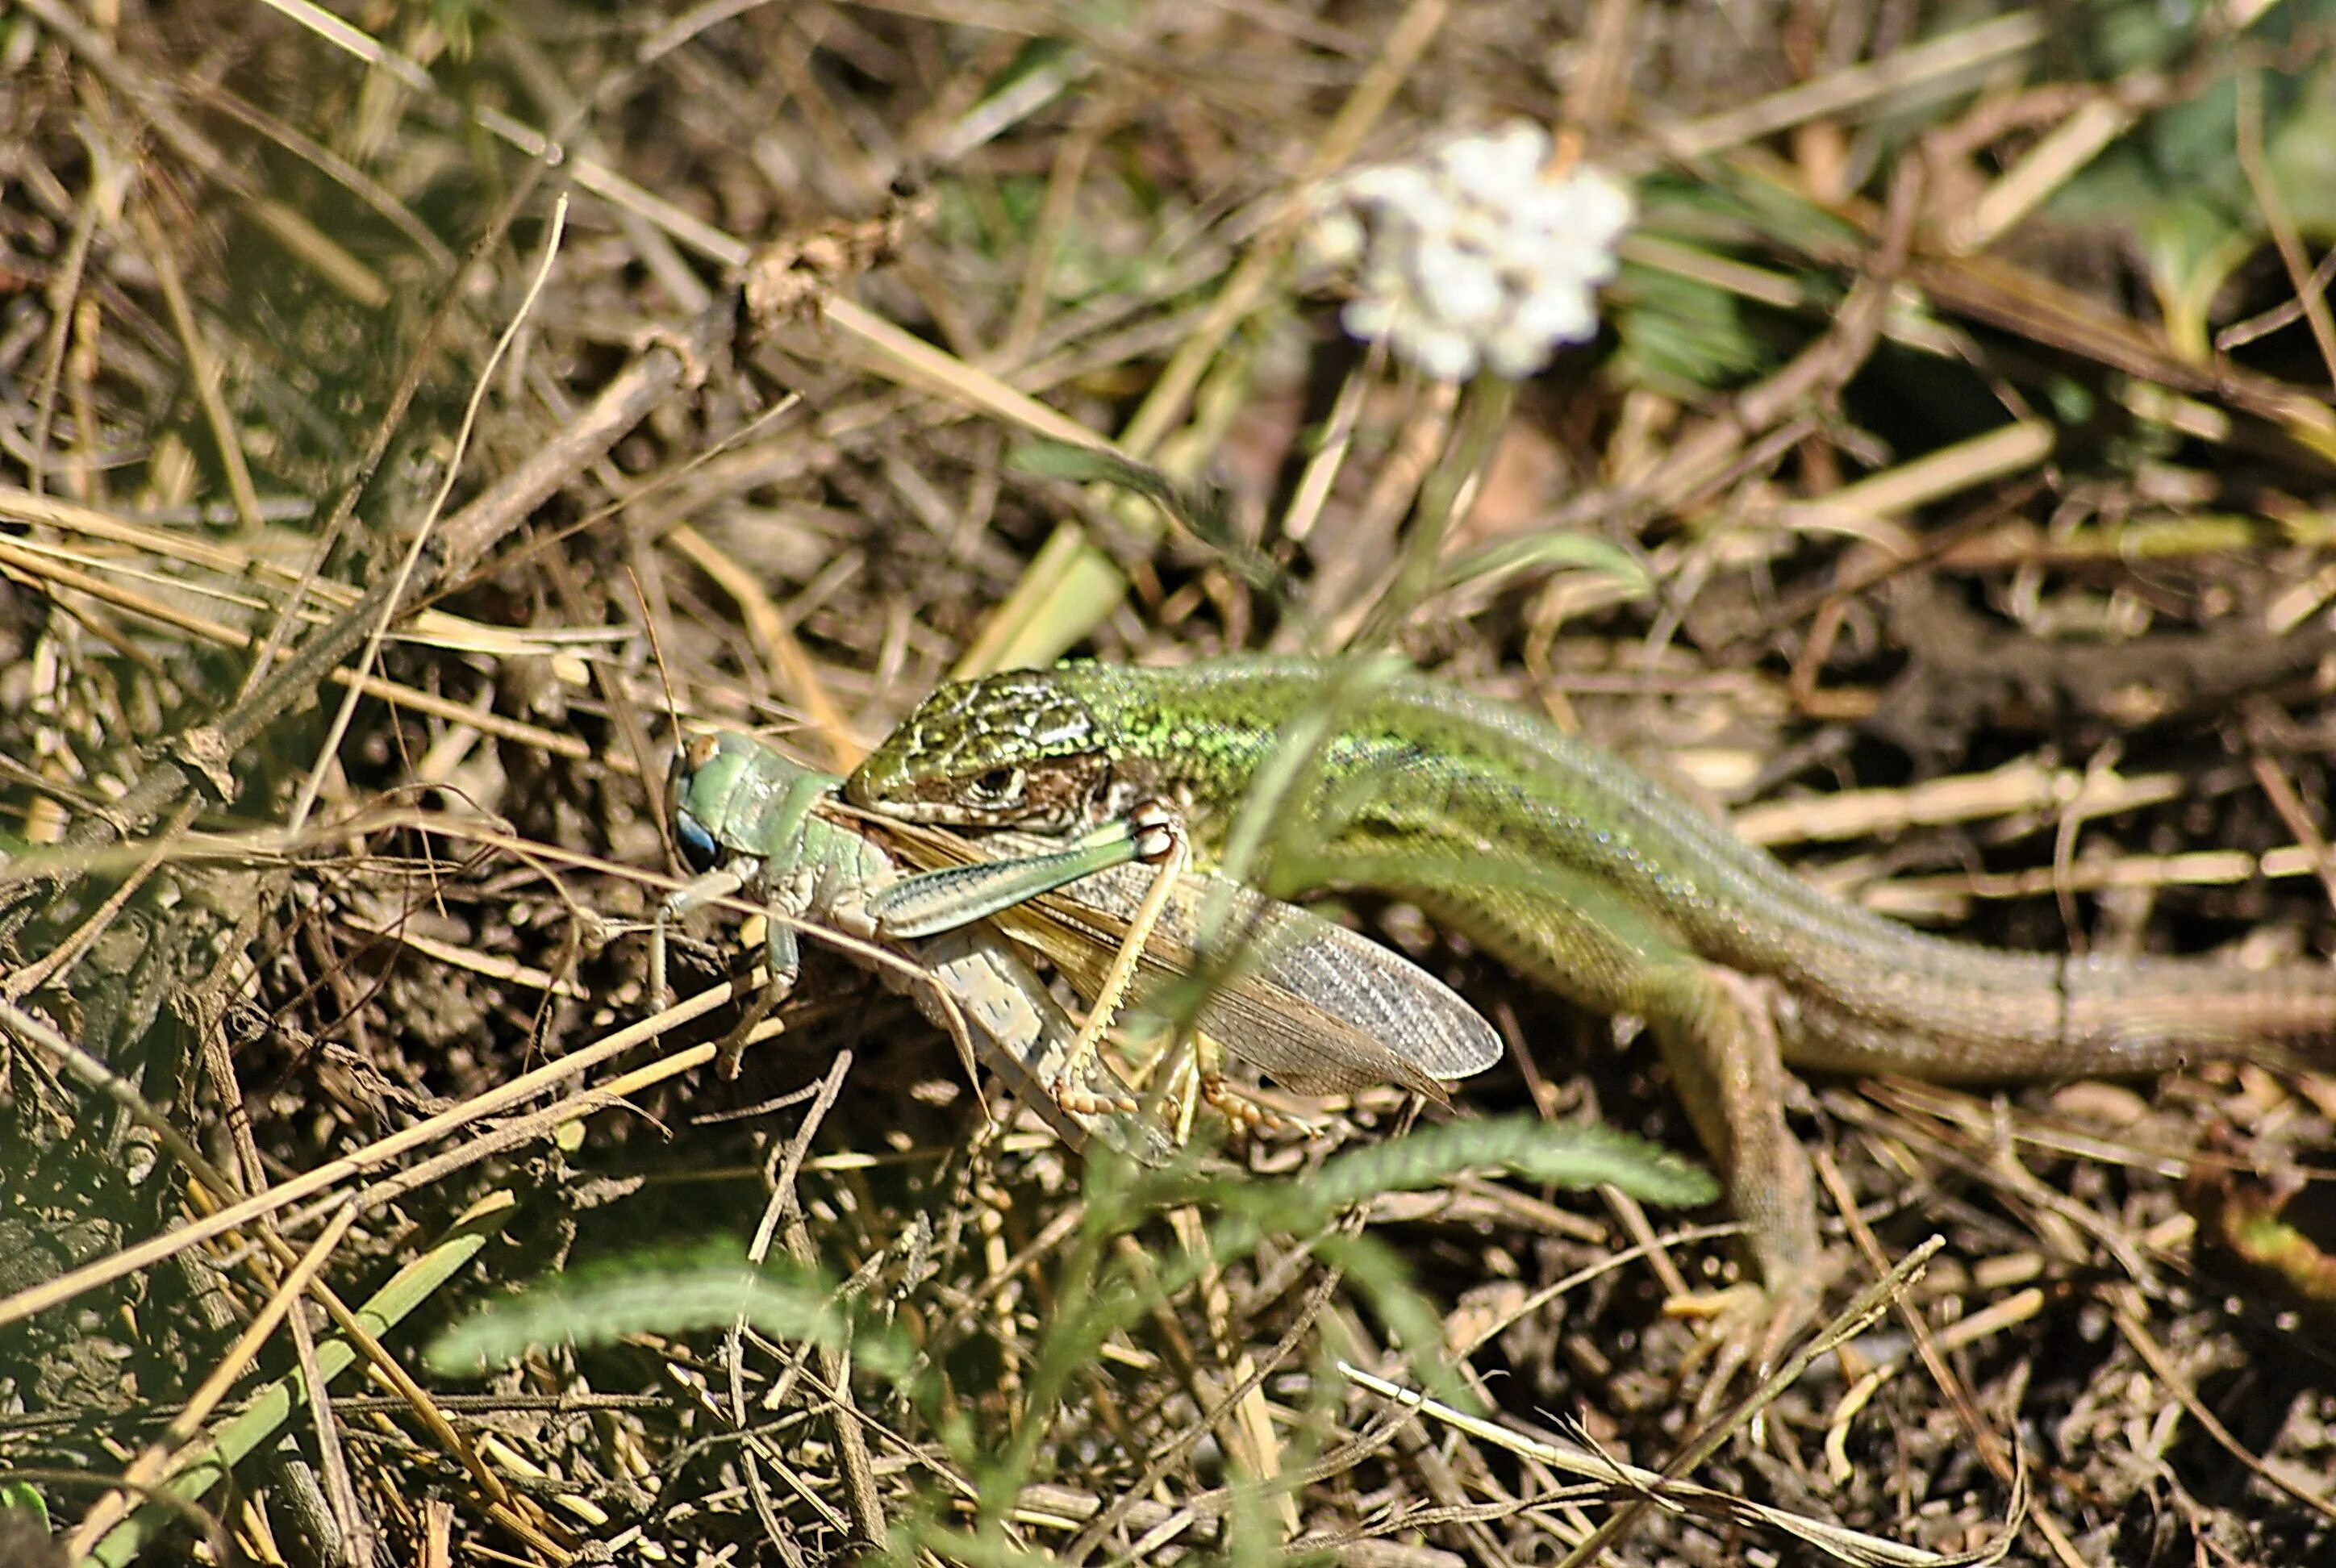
(1011, 750)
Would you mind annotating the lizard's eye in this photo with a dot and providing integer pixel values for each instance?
(998, 785)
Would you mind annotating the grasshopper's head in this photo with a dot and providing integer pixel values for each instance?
(1016, 749)
(701, 794)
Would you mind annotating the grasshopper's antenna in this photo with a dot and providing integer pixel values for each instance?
(660, 800)
(672, 708)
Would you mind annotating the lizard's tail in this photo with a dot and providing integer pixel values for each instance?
(2003, 1017)
(2156, 1014)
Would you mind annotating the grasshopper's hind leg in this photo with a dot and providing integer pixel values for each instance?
(1243, 1111)
(1163, 844)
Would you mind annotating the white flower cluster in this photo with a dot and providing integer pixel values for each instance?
(1476, 253)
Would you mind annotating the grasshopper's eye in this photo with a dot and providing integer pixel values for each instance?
(696, 845)
(998, 787)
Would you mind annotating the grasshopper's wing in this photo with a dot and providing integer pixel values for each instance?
(1315, 1005)
(1371, 987)
(1289, 1038)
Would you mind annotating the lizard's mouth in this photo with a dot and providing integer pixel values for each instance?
(950, 812)
(1049, 795)
(943, 804)
(939, 813)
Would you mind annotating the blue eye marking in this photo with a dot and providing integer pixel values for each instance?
(698, 847)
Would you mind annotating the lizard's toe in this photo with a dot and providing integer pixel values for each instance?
(1744, 1326)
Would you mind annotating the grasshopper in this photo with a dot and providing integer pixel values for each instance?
(749, 820)
(1310, 1002)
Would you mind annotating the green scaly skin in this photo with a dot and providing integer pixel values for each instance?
(1584, 875)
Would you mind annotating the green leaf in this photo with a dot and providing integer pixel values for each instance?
(2300, 149)
(658, 1293)
(2120, 36)
(1679, 337)
(2192, 248)
(1200, 507)
(1561, 1154)
(2193, 146)
(23, 1497)
(1548, 551)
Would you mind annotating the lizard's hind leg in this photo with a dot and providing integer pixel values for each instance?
(1718, 1039)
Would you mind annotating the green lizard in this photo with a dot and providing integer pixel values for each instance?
(1585, 876)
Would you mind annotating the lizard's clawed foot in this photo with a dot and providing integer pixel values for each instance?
(1743, 1325)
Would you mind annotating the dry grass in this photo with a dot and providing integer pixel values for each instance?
(1985, 486)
